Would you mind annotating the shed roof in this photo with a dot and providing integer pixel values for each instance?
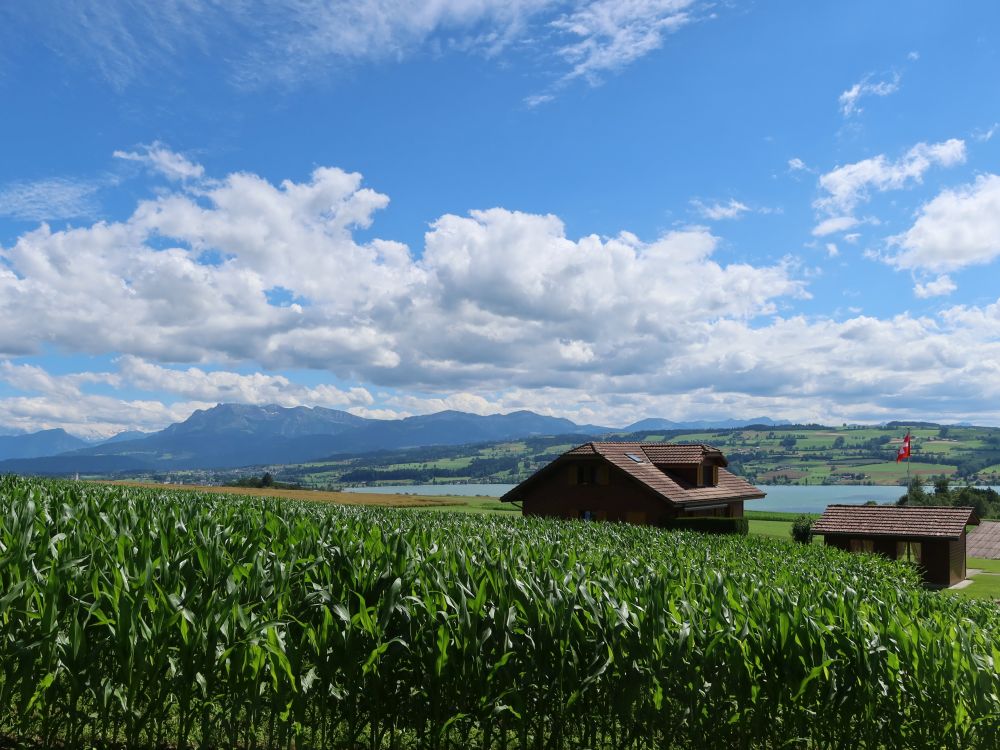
(934, 521)
(645, 463)
(985, 541)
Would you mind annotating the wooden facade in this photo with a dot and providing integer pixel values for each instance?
(622, 482)
(934, 538)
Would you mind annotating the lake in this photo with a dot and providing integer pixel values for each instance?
(784, 498)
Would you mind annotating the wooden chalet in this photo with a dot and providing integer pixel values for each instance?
(932, 536)
(641, 483)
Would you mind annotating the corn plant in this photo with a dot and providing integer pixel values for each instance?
(140, 617)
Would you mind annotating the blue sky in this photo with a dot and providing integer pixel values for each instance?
(600, 210)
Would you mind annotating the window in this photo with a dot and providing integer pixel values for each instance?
(634, 457)
(586, 473)
(912, 551)
(709, 475)
(862, 545)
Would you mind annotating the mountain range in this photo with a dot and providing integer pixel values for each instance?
(235, 435)
(44, 443)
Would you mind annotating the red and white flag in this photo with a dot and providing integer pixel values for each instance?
(904, 449)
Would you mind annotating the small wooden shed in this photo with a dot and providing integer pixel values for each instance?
(641, 483)
(932, 536)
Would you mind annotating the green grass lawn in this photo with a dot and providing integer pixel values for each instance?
(773, 529)
(988, 566)
(983, 586)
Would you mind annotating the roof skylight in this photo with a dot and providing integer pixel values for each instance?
(638, 459)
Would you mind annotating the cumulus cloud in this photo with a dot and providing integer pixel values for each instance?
(500, 310)
(734, 209)
(51, 401)
(225, 386)
(847, 186)
(956, 229)
(496, 296)
(940, 286)
(849, 100)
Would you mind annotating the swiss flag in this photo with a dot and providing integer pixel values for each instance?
(904, 449)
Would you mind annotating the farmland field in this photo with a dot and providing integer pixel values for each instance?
(802, 455)
(146, 616)
(339, 498)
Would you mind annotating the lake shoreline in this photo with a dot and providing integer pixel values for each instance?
(781, 498)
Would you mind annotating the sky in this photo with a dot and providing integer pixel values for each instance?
(604, 210)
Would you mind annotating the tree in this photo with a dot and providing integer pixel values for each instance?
(941, 489)
(915, 494)
(267, 480)
(838, 442)
(802, 529)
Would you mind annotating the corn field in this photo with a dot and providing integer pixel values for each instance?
(143, 618)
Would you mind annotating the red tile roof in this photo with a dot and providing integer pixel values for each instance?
(943, 522)
(657, 453)
(649, 470)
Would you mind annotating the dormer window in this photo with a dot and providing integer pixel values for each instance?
(686, 474)
(709, 475)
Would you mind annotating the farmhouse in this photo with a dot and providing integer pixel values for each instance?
(933, 536)
(642, 483)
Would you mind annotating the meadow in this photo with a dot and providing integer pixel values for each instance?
(153, 617)
(803, 454)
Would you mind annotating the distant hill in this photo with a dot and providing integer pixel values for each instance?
(229, 436)
(233, 435)
(44, 443)
(656, 423)
(456, 428)
(69, 463)
(126, 435)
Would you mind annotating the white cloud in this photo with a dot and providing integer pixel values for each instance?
(958, 228)
(221, 385)
(501, 310)
(834, 224)
(847, 186)
(734, 209)
(983, 135)
(865, 87)
(831, 249)
(795, 164)
(536, 100)
(941, 286)
(852, 237)
(497, 299)
(610, 34)
(49, 199)
(285, 41)
(161, 159)
(52, 401)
